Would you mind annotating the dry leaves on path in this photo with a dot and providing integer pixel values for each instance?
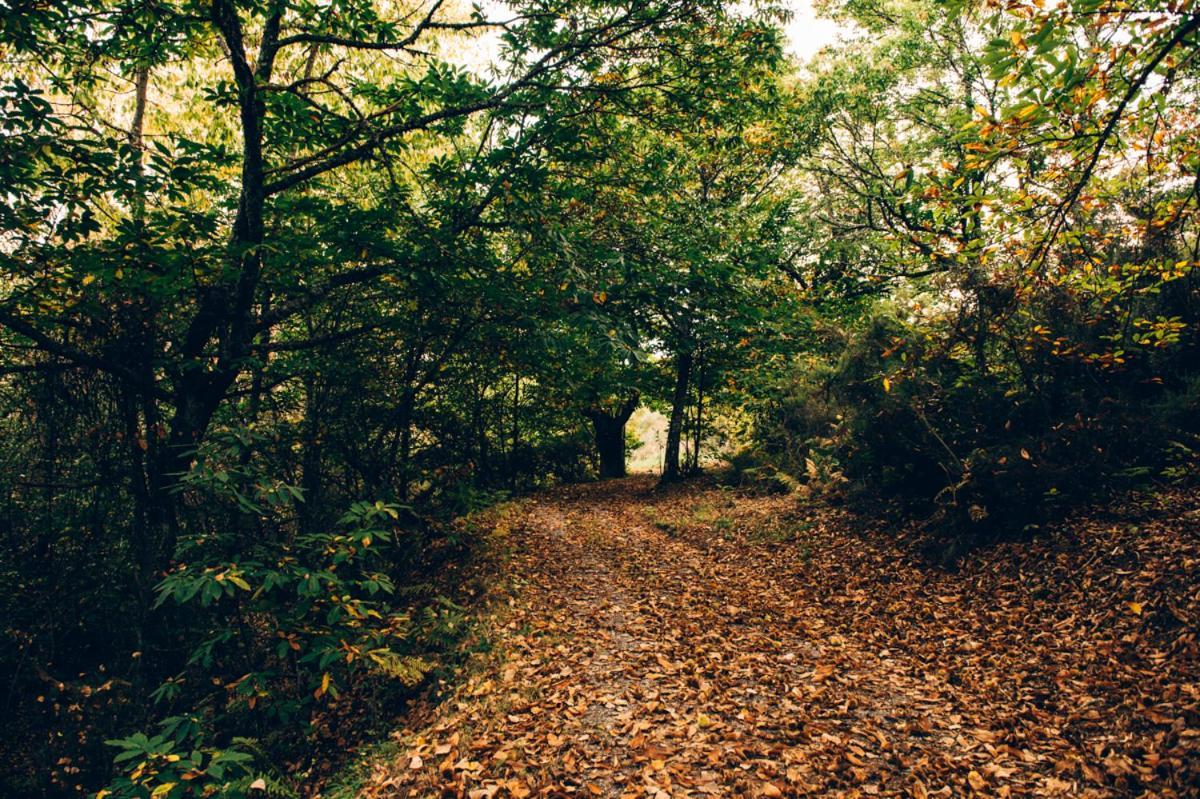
(695, 643)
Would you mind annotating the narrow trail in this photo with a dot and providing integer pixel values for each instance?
(694, 643)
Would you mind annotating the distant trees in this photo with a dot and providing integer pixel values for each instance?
(674, 226)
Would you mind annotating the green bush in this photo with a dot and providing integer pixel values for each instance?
(751, 468)
(285, 627)
(176, 764)
(910, 418)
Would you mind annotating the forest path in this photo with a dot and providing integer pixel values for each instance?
(693, 642)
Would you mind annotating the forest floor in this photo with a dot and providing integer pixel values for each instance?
(698, 642)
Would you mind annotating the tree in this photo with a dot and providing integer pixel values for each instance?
(301, 97)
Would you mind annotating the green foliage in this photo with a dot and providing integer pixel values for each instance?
(263, 261)
(176, 764)
(909, 420)
(324, 598)
(753, 469)
(1017, 221)
(282, 626)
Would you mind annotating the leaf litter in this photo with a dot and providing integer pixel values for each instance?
(694, 642)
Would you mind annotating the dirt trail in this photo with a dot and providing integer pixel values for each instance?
(697, 643)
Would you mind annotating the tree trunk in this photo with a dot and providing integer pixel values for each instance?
(311, 458)
(516, 431)
(406, 445)
(225, 316)
(609, 429)
(698, 432)
(683, 373)
(610, 443)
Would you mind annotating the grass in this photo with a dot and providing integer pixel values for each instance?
(659, 523)
(779, 534)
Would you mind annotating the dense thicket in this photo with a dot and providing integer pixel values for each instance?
(290, 288)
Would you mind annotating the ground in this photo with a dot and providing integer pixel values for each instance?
(699, 642)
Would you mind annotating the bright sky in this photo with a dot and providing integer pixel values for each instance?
(807, 32)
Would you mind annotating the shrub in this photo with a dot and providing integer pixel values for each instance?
(910, 417)
(285, 626)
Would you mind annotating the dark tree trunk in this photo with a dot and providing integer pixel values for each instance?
(516, 431)
(683, 375)
(698, 432)
(311, 458)
(609, 429)
(479, 424)
(225, 316)
(406, 445)
(610, 443)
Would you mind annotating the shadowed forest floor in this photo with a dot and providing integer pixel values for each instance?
(697, 642)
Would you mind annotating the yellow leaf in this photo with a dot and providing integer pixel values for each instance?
(162, 790)
(87, 281)
(258, 785)
(887, 384)
(976, 780)
(1135, 608)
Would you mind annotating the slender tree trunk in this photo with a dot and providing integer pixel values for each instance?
(479, 424)
(311, 457)
(683, 373)
(516, 430)
(136, 139)
(406, 437)
(981, 337)
(698, 432)
(135, 321)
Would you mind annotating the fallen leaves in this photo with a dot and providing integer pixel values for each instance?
(638, 663)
